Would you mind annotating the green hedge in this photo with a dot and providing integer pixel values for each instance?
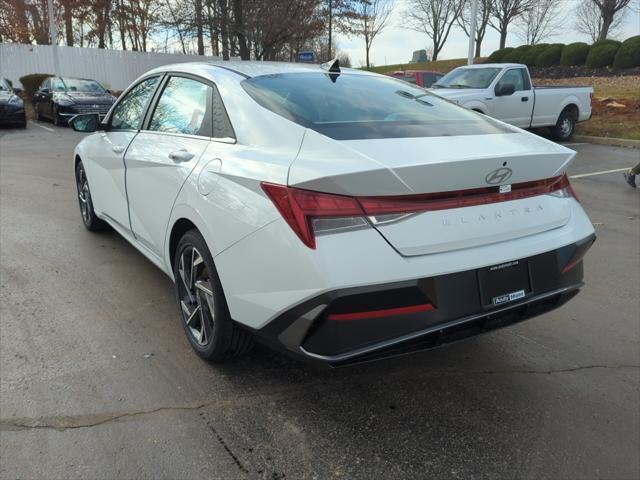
(628, 55)
(550, 56)
(602, 53)
(574, 54)
(530, 57)
(31, 82)
(498, 55)
(515, 55)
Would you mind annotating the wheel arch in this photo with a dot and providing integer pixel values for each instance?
(570, 104)
(183, 219)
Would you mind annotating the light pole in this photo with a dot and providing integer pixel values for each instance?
(54, 38)
(472, 31)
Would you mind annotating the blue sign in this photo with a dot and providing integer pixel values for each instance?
(306, 57)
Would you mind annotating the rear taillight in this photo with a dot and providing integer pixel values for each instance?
(311, 213)
(308, 213)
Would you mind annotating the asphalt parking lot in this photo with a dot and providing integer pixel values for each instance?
(97, 379)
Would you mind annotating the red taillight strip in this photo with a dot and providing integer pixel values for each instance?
(388, 312)
(460, 198)
(299, 207)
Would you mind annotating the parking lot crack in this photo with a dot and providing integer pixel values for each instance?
(68, 422)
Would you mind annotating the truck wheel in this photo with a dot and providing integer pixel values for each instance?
(564, 128)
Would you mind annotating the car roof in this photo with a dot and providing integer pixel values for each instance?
(494, 65)
(393, 72)
(250, 69)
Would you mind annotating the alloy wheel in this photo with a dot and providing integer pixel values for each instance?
(195, 293)
(84, 196)
(566, 127)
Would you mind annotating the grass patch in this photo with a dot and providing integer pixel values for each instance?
(442, 66)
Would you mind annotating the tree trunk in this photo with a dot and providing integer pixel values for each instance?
(224, 28)
(21, 21)
(239, 29)
(68, 23)
(198, 7)
(478, 48)
(503, 37)
(607, 20)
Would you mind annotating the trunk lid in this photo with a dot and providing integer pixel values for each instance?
(409, 166)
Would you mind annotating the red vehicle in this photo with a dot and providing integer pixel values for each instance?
(422, 78)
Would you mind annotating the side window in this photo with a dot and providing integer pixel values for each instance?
(514, 76)
(221, 124)
(46, 84)
(127, 115)
(428, 79)
(183, 107)
(410, 78)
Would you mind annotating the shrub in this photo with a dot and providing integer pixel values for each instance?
(602, 53)
(530, 56)
(515, 56)
(498, 55)
(628, 55)
(574, 54)
(550, 56)
(31, 82)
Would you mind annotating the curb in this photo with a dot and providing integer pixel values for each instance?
(613, 142)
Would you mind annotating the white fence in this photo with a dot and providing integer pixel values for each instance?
(113, 68)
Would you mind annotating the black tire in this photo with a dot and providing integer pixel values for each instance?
(57, 121)
(223, 338)
(88, 215)
(565, 126)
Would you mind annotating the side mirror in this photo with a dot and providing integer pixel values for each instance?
(505, 89)
(86, 122)
(17, 91)
(45, 90)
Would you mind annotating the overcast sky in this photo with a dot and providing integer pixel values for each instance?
(396, 44)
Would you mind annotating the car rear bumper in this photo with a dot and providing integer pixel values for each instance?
(354, 325)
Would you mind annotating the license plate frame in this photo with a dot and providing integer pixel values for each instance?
(504, 283)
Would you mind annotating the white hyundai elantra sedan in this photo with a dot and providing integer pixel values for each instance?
(336, 214)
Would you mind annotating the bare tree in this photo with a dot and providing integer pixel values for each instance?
(485, 10)
(504, 13)
(599, 18)
(542, 20)
(367, 18)
(434, 18)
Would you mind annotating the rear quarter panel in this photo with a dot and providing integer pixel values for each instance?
(550, 102)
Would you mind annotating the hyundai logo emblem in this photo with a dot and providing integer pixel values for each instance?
(498, 176)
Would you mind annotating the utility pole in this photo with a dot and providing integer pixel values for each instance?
(330, 19)
(472, 31)
(54, 38)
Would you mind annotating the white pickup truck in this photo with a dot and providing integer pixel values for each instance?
(504, 91)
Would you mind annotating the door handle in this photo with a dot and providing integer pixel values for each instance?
(181, 155)
(118, 149)
(524, 99)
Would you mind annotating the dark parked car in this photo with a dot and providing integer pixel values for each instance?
(11, 106)
(61, 98)
(422, 78)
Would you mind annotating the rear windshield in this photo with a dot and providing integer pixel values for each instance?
(354, 106)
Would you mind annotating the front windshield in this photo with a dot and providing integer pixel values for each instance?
(356, 106)
(468, 78)
(78, 85)
(4, 85)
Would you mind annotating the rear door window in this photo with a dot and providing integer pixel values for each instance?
(184, 108)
